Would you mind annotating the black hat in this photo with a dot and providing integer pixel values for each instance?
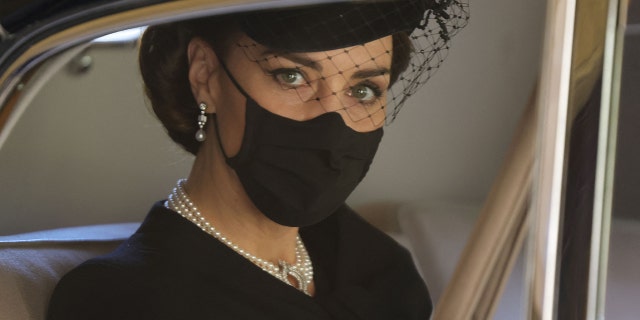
(334, 25)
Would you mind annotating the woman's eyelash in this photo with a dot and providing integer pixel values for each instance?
(281, 70)
(280, 75)
(374, 87)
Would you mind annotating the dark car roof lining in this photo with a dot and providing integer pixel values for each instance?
(34, 30)
(16, 15)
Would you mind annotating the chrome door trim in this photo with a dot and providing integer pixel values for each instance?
(605, 166)
(547, 201)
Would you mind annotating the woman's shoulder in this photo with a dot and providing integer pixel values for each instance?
(96, 290)
(366, 267)
(122, 281)
(347, 241)
(351, 228)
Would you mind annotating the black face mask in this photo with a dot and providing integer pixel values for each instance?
(299, 172)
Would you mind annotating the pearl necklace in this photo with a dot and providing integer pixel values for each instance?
(301, 271)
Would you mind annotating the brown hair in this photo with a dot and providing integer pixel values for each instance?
(164, 66)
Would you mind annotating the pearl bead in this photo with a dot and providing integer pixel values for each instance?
(200, 136)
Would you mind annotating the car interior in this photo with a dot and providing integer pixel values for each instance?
(512, 177)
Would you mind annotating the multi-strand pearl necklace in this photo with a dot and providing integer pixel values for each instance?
(301, 271)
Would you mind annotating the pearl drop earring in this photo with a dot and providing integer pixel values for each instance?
(202, 120)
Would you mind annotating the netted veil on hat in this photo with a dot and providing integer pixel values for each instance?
(429, 24)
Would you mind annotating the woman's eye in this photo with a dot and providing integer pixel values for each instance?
(364, 93)
(292, 78)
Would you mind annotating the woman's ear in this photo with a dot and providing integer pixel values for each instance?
(203, 69)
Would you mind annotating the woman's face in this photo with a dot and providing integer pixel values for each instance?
(351, 81)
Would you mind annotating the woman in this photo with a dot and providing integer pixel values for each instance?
(283, 110)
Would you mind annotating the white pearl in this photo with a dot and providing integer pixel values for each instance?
(200, 136)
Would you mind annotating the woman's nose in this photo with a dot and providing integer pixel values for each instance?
(330, 93)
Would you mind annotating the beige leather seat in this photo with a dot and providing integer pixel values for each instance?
(32, 263)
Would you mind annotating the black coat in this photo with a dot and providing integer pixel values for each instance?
(170, 269)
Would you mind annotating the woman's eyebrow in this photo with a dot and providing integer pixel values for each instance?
(370, 73)
(298, 58)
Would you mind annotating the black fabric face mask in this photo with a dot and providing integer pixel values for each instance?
(299, 172)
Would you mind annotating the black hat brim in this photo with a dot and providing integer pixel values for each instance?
(332, 26)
